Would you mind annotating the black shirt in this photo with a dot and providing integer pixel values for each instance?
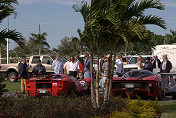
(39, 69)
(23, 70)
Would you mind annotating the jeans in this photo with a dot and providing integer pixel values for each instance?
(87, 74)
(101, 83)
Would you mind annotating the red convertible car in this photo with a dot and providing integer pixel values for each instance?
(56, 85)
(135, 83)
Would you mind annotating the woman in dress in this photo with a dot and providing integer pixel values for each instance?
(139, 64)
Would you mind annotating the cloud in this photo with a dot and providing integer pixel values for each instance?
(170, 3)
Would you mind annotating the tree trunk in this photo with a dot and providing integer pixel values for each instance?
(0, 54)
(108, 79)
(39, 51)
(111, 77)
(97, 81)
(92, 80)
(125, 49)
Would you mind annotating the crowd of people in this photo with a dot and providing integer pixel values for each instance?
(165, 66)
(80, 68)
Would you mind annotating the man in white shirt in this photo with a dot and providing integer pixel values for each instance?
(73, 67)
(119, 66)
(66, 67)
(57, 65)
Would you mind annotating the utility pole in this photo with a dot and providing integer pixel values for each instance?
(39, 28)
(7, 41)
(40, 44)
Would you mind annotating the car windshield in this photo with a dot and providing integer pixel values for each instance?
(138, 74)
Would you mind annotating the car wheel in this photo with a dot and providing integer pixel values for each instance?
(174, 96)
(72, 90)
(12, 76)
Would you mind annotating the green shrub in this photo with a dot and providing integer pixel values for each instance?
(138, 109)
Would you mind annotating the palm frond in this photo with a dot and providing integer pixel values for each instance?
(12, 34)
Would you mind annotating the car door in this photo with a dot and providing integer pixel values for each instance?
(47, 62)
(33, 62)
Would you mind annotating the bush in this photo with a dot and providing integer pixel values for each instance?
(2, 86)
(138, 109)
(55, 107)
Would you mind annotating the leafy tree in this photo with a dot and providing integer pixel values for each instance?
(7, 9)
(110, 23)
(171, 38)
(69, 46)
(39, 41)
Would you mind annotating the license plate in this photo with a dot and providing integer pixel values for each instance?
(129, 85)
(43, 91)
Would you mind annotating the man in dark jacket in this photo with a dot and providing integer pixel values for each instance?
(148, 65)
(156, 62)
(23, 73)
(39, 69)
(166, 65)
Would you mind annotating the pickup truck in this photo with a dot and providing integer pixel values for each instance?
(132, 63)
(11, 69)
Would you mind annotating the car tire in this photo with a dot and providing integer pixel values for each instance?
(174, 96)
(12, 74)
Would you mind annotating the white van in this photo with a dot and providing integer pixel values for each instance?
(132, 63)
(169, 50)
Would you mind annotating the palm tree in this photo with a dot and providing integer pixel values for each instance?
(114, 22)
(7, 9)
(171, 38)
(39, 41)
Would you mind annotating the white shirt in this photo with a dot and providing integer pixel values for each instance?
(164, 65)
(66, 66)
(157, 64)
(57, 66)
(73, 66)
(119, 66)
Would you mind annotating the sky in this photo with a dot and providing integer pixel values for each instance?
(58, 19)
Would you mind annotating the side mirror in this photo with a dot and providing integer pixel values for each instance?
(48, 62)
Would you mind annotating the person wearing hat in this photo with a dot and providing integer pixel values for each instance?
(166, 65)
(148, 65)
(39, 69)
(87, 67)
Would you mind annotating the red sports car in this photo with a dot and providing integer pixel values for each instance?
(57, 84)
(135, 83)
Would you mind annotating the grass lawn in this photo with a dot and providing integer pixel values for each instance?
(12, 86)
(168, 109)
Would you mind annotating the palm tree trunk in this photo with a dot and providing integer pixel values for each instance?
(112, 71)
(0, 54)
(92, 80)
(125, 49)
(108, 79)
(39, 51)
(97, 79)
